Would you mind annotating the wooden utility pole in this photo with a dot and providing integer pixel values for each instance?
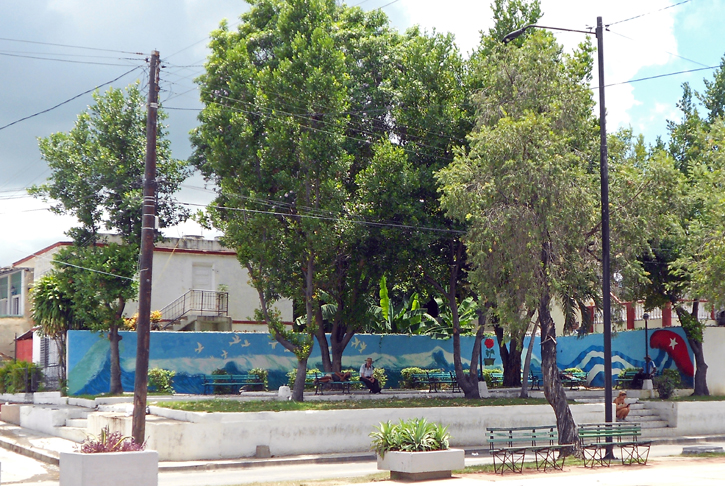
(148, 228)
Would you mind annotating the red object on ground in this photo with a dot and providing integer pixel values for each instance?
(676, 347)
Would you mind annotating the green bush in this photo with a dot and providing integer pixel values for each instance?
(666, 383)
(262, 375)
(409, 383)
(223, 390)
(160, 380)
(292, 375)
(19, 377)
(414, 435)
(573, 370)
(487, 372)
(379, 374)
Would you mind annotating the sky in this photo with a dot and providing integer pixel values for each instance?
(53, 51)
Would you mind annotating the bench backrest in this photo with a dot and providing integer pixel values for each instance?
(501, 437)
(618, 431)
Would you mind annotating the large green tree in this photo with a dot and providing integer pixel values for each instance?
(97, 176)
(525, 190)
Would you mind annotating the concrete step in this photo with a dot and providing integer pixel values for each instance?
(653, 424)
(75, 434)
(76, 422)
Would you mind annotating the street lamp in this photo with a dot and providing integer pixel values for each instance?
(604, 174)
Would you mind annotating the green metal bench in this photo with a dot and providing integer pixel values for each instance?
(574, 379)
(509, 445)
(236, 381)
(436, 380)
(624, 379)
(596, 439)
(344, 386)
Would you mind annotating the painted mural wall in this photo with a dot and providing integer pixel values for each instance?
(192, 354)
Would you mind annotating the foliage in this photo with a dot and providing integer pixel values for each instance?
(262, 375)
(666, 383)
(414, 435)
(488, 375)
(52, 306)
(380, 375)
(442, 326)
(223, 390)
(160, 380)
(17, 377)
(406, 317)
(292, 376)
(109, 442)
(408, 381)
(573, 370)
(130, 322)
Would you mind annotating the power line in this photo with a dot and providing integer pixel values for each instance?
(667, 52)
(91, 270)
(68, 100)
(661, 76)
(72, 46)
(326, 218)
(64, 60)
(648, 13)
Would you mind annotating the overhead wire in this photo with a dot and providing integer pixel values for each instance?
(69, 99)
(666, 52)
(648, 13)
(72, 46)
(69, 61)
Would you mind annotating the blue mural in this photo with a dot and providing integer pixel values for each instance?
(192, 354)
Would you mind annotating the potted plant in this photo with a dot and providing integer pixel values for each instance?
(415, 449)
(109, 459)
(490, 357)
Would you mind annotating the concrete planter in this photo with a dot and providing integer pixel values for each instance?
(421, 465)
(140, 468)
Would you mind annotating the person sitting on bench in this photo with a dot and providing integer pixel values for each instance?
(366, 376)
(622, 408)
(334, 376)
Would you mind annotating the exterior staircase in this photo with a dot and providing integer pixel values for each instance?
(197, 310)
(652, 424)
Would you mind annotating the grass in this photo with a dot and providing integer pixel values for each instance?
(370, 478)
(531, 465)
(222, 405)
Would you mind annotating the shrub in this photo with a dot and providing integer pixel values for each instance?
(666, 383)
(573, 370)
(20, 377)
(409, 382)
(262, 376)
(379, 374)
(160, 380)
(223, 390)
(109, 442)
(292, 374)
(487, 375)
(414, 435)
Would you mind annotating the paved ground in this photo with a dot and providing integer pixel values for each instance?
(35, 464)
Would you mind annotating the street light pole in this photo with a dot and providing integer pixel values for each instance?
(604, 175)
(645, 316)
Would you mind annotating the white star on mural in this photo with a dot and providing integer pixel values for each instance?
(673, 343)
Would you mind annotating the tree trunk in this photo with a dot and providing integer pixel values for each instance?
(693, 330)
(511, 357)
(298, 394)
(114, 338)
(327, 366)
(527, 364)
(553, 389)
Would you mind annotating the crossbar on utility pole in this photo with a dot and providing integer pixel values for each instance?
(148, 227)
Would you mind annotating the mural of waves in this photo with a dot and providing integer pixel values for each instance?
(193, 354)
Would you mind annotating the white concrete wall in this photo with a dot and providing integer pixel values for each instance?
(714, 349)
(182, 436)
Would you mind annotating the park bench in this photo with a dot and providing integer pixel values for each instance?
(573, 379)
(509, 445)
(234, 381)
(496, 379)
(344, 386)
(436, 380)
(624, 379)
(595, 439)
(535, 380)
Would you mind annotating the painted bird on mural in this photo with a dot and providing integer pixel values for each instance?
(235, 340)
(199, 347)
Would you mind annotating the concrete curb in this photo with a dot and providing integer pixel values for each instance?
(29, 451)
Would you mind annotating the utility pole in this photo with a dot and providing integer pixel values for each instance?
(148, 227)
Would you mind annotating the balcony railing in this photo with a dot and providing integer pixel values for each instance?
(197, 302)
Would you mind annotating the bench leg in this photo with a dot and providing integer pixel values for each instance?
(508, 459)
(595, 455)
(547, 458)
(631, 454)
